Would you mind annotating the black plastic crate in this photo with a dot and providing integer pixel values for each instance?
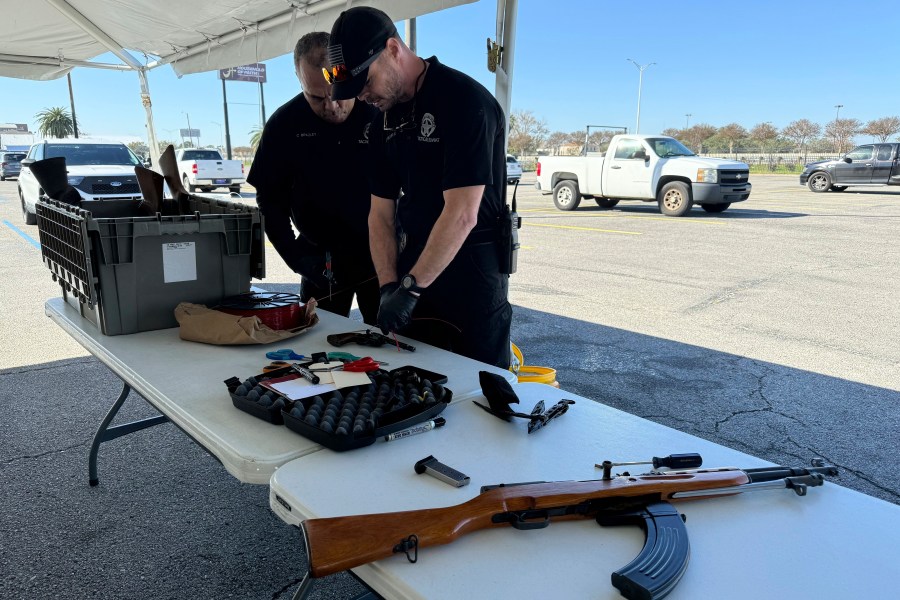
(126, 271)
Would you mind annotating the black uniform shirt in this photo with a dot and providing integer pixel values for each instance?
(313, 173)
(456, 139)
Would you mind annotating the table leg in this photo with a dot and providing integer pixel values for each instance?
(106, 433)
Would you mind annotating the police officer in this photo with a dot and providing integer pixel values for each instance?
(441, 142)
(310, 169)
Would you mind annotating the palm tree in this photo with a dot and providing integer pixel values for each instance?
(55, 122)
(255, 137)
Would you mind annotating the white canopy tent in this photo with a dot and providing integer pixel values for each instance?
(45, 39)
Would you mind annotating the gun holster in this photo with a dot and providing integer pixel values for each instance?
(664, 558)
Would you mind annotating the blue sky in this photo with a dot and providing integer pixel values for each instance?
(720, 62)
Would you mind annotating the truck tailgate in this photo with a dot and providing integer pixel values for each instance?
(219, 169)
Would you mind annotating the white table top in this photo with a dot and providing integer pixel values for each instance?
(184, 381)
(832, 543)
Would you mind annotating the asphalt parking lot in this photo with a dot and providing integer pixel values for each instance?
(771, 328)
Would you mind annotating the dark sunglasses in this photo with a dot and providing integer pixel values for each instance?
(340, 73)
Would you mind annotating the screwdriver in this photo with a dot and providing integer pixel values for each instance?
(672, 461)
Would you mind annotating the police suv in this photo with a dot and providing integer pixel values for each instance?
(98, 170)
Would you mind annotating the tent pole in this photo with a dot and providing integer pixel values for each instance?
(506, 37)
(148, 107)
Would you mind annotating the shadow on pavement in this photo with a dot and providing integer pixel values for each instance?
(166, 521)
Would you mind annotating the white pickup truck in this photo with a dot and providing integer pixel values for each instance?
(652, 168)
(206, 170)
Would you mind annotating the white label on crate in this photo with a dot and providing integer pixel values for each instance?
(179, 262)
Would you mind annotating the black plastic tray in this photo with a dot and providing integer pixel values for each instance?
(364, 426)
(271, 413)
(401, 414)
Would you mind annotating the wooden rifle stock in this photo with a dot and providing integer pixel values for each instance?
(339, 543)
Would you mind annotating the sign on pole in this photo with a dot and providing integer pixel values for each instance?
(255, 73)
(190, 133)
(14, 128)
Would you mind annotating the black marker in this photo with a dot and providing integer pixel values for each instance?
(306, 373)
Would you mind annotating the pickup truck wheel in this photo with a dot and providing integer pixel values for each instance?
(606, 202)
(566, 195)
(819, 181)
(675, 199)
(187, 185)
(716, 208)
(29, 217)
(838, 188)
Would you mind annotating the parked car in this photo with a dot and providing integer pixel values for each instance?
(205, 169)
(867, 165)
(513, 169)
(98, 170)
(650, 168)
(10, 164)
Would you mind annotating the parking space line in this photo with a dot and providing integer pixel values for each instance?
(627, 216)
(582, 228)
(27, 237)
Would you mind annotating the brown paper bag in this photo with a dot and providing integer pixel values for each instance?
(198, 323)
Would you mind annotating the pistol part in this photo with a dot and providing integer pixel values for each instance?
(432, 466)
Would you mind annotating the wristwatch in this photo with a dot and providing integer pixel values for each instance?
(408, 283)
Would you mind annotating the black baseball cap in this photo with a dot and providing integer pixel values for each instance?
(357, 38)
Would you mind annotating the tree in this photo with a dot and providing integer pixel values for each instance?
(55, 122)
(555, 140)
(255, 137)
(801, 132)
(765, 135)
(882, 128)
(139, 148)
(678, 134)
(842, 132)
(731, 134)
(697, 134)
(527, 133)
(163, 144)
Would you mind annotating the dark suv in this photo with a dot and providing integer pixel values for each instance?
(10, 164)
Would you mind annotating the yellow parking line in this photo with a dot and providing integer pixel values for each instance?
(582, 228)
(627, 216)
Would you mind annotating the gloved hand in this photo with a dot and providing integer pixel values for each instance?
(386, 290)
(396, 309)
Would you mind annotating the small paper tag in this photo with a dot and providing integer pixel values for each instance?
(179, 262)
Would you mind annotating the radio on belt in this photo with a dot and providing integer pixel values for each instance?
(432, 466)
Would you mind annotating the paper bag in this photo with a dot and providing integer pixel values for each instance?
(198, 323)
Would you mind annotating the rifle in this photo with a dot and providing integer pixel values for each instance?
(340, 543)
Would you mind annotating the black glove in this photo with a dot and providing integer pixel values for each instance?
(386, 290)
(396, 309)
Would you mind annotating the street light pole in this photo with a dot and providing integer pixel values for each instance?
(837, 115)
(687, 120)
(641, 68)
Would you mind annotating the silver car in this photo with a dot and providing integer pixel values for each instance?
(513, 169)
(10, 164)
